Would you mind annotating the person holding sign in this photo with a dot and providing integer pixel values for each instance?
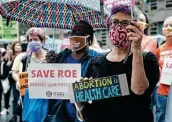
(4, 82)
(81, 37)
(164, 52)
(141, 70)
(34, 110)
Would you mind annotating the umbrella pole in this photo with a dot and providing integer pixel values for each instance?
(132, 15)
(129, 47)
(54, 31)
(102, 8)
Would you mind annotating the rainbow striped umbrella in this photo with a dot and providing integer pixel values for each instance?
(7, 5)
(54, 13)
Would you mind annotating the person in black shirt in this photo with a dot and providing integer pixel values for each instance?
(141, 69)
(4, 73)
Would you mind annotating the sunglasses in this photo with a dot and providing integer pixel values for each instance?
(77, 32)
(116, 22)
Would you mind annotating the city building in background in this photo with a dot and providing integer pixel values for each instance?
(102, 36)
(157, 11)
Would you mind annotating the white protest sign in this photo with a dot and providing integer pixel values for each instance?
(166, 75)
(110, 3)
(54, 45)
(50, 81)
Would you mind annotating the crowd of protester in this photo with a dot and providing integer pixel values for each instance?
(133, 52)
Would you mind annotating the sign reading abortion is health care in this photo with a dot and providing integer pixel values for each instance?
(101, 88)
(50, 81)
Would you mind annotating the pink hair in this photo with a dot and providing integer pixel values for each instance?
(36, 32)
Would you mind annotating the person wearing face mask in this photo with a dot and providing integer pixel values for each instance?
(148, 43)
(35, 110)
(140, 77)
(81, 37)
(164, 51)
(34, 54)
(12, 51)
(15, 50)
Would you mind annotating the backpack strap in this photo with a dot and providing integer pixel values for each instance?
(95, 65)
(101, 59)
(25, 61)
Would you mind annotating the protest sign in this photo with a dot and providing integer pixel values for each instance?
(53, 44)
(166, 75)
(23, 81)
(100, 88)
(110, 3)
(50, 81)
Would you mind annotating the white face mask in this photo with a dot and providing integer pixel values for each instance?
(78, 42)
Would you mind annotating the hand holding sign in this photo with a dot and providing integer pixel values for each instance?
(80, 104)
(22, 85)
(91, 89)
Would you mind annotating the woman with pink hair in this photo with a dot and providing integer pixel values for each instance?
(135, 107)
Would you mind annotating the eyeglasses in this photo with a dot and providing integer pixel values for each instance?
(167, 25)
(76, 32)
(116, 22)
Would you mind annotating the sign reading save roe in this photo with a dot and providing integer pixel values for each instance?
(50, 81)
(100, 88)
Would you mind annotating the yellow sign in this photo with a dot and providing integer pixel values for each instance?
(23, 81)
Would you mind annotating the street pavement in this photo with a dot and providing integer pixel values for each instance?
(6, 118)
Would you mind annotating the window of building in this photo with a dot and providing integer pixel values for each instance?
(153, 4)
(56, 36)
(168, 3)
(153, 28)
(104, 36)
